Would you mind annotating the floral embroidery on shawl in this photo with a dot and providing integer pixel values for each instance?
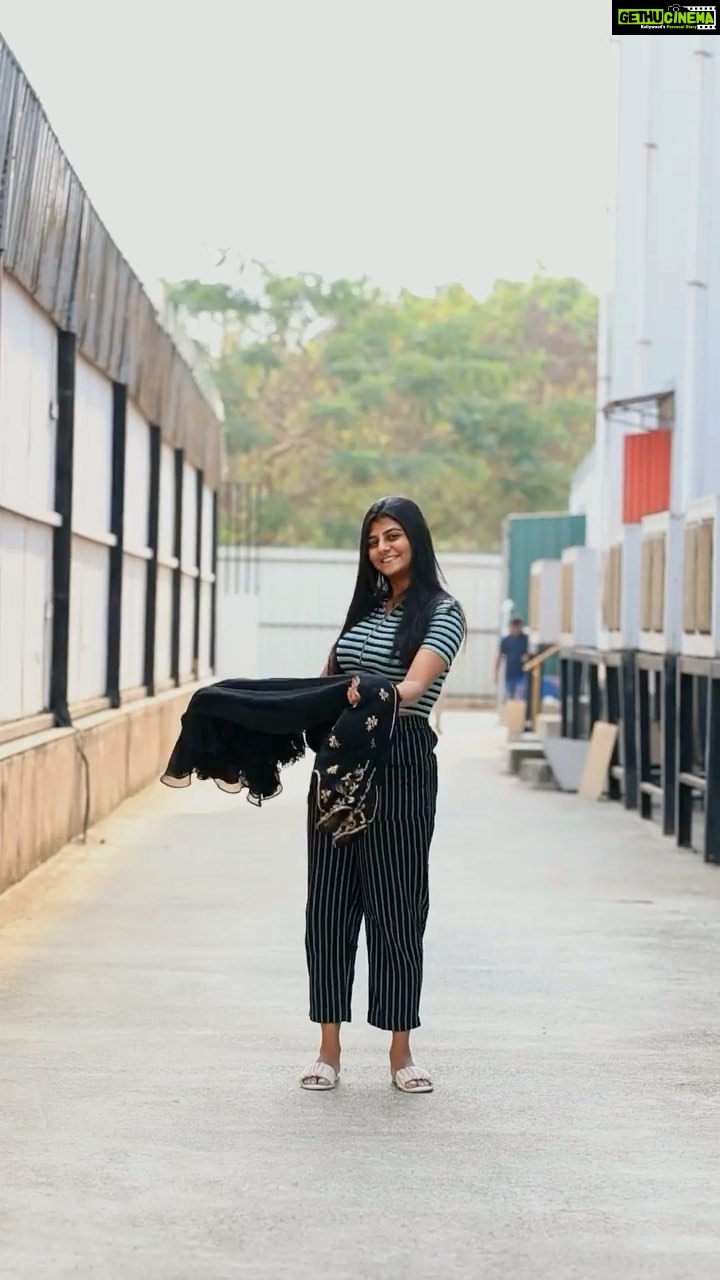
(242, 733)
(347, 791)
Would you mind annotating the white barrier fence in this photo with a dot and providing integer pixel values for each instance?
(280, 610)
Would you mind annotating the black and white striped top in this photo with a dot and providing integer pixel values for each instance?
(369, 647)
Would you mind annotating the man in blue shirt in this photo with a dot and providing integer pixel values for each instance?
(513, 648)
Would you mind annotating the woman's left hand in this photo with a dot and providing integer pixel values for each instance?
(353, 693)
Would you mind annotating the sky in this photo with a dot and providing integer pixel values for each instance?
(418, 143)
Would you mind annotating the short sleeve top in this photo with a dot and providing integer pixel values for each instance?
(369, 647)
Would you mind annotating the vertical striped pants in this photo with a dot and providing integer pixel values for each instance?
(381, 877)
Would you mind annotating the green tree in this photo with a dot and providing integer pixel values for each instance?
(335, 394)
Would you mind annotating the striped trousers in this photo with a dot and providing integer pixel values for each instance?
(380, 877)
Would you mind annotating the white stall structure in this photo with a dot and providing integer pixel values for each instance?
(545, 603)
(620, 622)
(701, 589)
(578, 598)
(655, 461)
(651, 487)
(661, 586)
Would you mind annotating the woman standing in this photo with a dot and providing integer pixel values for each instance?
(401, 624)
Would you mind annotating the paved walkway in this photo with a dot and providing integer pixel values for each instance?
(152, 998)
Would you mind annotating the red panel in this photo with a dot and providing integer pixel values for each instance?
(646, 474)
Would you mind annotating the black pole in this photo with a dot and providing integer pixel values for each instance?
(643, 739)
(153, 538)
(712, 773)
(117, 528)
(684, 739)
(627, 712)
(213, 615)
(177, 571)
(701, 702)
(62, 538)
(612, 684)
(594, 681)
(669, 743)
(199, 540)
(564, 682)
(576, 674)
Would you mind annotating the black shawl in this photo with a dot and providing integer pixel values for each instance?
(241, 733)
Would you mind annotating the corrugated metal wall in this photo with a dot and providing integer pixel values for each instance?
(88, 374)
(55, 245)
(527, 538)
(303, 596)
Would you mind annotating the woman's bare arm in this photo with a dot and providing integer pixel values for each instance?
(424, 670)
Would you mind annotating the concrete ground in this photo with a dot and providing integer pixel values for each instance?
(152, 1028)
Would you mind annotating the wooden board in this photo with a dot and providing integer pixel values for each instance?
(597, 764)
(515, 713)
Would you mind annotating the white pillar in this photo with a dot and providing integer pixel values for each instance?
(602, 517)
(697, 470)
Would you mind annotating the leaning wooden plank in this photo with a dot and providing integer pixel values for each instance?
(593, 782)
(515, 715)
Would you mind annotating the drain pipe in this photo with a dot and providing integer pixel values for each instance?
(698, 470)
(602, 518)
(643, 341)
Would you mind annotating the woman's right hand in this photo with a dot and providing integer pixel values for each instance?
(353, 693)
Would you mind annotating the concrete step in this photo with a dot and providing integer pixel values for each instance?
(518, 752)
(538, 775)
(548, 725)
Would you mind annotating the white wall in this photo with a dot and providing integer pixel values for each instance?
(206, 582)
(28, 373)
(136, 552)
(300, 603)
(92, 540)
(660, 316)
(583, 492)
(238, 635)
(189, 571)
(28, 521)
(166, 565)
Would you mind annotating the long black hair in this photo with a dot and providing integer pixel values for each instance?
(427, 587)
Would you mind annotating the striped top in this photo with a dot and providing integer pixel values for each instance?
(369, 647)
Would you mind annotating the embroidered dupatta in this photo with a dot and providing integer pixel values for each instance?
(241, 733)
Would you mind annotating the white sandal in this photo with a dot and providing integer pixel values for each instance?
(319, 1078)
(403, 1080)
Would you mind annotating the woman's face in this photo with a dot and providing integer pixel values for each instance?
(388, 548)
